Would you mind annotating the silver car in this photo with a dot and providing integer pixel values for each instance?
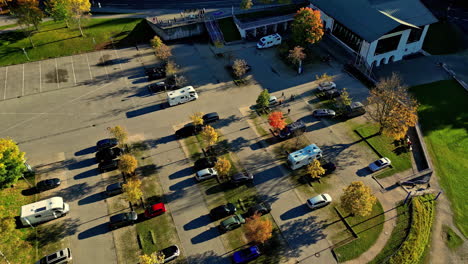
(324, 86)
(380, 164)
(323, 113)
(319, 201)
(59, 257)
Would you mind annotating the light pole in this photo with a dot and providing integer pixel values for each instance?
(26, 54)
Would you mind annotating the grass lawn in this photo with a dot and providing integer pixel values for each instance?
(8, 26)
(399, 233)
(444, 38)
(55, 40)
(368, 229)
(229, 29)
(451, 238)
(401, 160)
(443, 116)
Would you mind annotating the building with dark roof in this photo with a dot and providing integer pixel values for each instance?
(377, 31)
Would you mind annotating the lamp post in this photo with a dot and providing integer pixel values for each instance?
(26, 54)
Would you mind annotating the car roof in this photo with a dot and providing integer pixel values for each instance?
(117, 185)
(106, 140)
(240, 175)
(157, 206)
(319, 198)
(204, 171)
(209, 115)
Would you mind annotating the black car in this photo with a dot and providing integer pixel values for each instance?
(106, 143)
(108, 154)
(205, 163)
(187, 131)
(210, 118)
(294, 129)
(108, 165)
(155, 73)
(114, 189)
(161, 87)
(330, 94)
(241, 178)
(329, 167)
(123, 219)
(223, 211)
(48, 184)
(260, 208)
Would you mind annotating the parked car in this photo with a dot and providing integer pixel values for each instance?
(241, 178)
(333, 93)
(294, 129)
(108, 154)
(262, 208)
(123, 219)
(114, 189)
(161, 87)
(355, 109)
(329, 167)
(108, 165)
(246, 255)
(323, 113)
(187, 131)
(170, 253)
(232, 223)
(223, 211)
(106, 143)
(206, 174)
(48, 184)
(273, 100)
(210, 118)
(155, 210)
(319, 201)
(380, 164)
(155, 73)
(204, 163)
(59, 257)
(324, 86)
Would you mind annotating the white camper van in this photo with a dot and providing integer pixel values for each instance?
(181, 96)
(43, 211)
(269, 41)
(304, 156)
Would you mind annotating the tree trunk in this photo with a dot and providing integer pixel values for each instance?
(30, 40)
(79, 26)
(66, 23)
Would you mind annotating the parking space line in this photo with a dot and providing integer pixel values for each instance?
(73, 69)
(56, 73)
(89, 67)
(6, 79)
(104, 64)
(22, 90)
(40, 77)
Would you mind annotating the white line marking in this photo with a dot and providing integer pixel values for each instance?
(103, 64)
(6, 79)
(40, 77)
(56, 73)
(22, 91)
(73, 69)
(89, 67)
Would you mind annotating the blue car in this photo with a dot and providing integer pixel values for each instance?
(246, 255)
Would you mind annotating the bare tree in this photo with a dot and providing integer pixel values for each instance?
(239, 68)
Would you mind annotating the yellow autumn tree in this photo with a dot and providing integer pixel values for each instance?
(153, 258)
(223, 167)
(324, 78)
(120, 134)
(11, 162)
(78, 9)
(210, 135)
(258, 230)
(315, 170)
(358, 199)
(197, 118)
(132, 190)
(127, 164)
(156, 42)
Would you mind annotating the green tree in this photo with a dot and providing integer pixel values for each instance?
(345, 98)
(58, 10)
(246, 4)
(156, 42)
(358, 199)
(307, 27)
(11, 162)
(263, 100)
(28, 14)
(78, 9)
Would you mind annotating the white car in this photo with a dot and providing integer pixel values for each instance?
(319, 201)
(170, 253)
(206, 174)
(379, 164)
(273, 100)
(325, 86)
(62, 256)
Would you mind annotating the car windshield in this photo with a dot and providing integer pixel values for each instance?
(167, 252)
(379, 163)
(324, 198)
(245, 253)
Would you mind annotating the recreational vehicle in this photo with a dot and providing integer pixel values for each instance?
(181, 96)
(269, 41)
(304, 156)
(43, 211)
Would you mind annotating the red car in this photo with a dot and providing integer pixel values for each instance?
(155, 210)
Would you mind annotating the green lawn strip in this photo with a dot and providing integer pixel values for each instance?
(444, 38)
(55, 40)
(8, 26)
(398, 236)
(368, 229)
(401, 160)
(443, 115)
(229, 29)
(257, 121)
(415, 246)
(451, 238)
(18, 246)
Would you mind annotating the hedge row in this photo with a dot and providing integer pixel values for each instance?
(412, 249)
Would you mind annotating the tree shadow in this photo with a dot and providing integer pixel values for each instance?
(295, 212)
(205, 235)
(238, 144)
(94, 231)
(303, 232)
(73, 192)
(183, 184)
(81, 164)
(185, 172)
(93, 198)
(86, 174)
(86, 151)
(54, 232)
(146, 170)
(198, 222)
(208, 257)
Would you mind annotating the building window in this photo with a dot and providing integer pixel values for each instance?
(346, 36)
(415, 35)
(387, 44)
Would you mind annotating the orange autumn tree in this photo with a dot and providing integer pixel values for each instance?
(276, 120)
(258, 230)
(307, 27)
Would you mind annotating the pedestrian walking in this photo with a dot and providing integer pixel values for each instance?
(289, 110)
(99, 4)
(282, 94)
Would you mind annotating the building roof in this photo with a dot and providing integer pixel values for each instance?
(371, 19)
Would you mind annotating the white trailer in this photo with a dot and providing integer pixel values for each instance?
(269, 41)
(181, 96)
(304, 156)
(43, 211)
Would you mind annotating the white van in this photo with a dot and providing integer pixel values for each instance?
(43, 211)
(304, 156)
(269, 41)
(181, 96)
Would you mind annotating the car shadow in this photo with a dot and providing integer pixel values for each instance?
(94, 231)
(198, 222)
(182, 173)
(86, 151)
(295, 212)
(82, 164)
(146, 110)
(183, 184)
(363, 172)
(30, 191)
(92, 198)
(86, 174)
(205, 236)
